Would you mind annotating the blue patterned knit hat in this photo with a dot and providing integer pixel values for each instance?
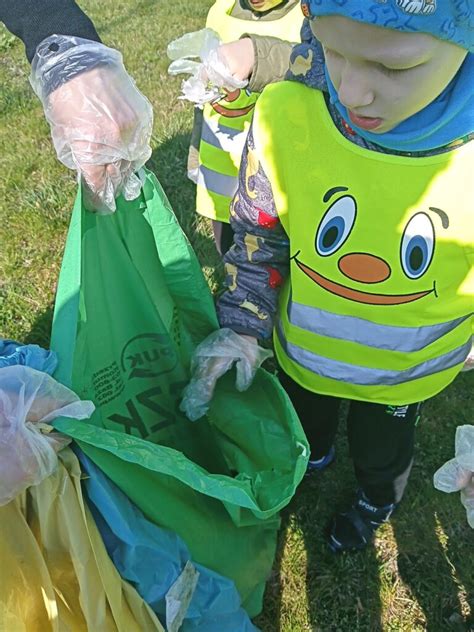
(451, 20)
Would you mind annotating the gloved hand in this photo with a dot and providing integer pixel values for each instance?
(100, 123)
(239, 57)
(214, 73)
(458, 473)
(214, 357)
(29, 400)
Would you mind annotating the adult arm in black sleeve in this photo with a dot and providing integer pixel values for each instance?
(34, 20)
(100, 122)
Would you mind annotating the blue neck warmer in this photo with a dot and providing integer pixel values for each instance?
(449, 117)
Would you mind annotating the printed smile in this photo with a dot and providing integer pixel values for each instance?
(357, 295)
(229, 112)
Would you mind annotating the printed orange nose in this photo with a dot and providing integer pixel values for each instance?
(364, 268)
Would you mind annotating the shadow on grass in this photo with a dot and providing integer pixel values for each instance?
(432, 573)
(40, 332)
(270, 619)
(434, 541)
(342, 591)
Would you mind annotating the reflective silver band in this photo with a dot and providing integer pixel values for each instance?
(367, 376)
(226, 138)
(217, 182)
(365, 332)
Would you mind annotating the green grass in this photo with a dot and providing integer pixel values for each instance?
(420, 574)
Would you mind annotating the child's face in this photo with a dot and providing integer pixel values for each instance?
(264, 5)
(384, 76)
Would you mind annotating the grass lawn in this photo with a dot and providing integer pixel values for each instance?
(420, 574)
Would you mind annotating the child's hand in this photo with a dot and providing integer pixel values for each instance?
(212, 75)
(212, 359)
(240, 57)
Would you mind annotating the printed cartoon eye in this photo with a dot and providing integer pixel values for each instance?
(335, 226)
(417, 248)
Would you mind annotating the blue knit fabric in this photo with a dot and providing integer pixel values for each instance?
(451, 20)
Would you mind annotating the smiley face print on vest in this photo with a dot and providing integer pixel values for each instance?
(368, 276)
(239, 102)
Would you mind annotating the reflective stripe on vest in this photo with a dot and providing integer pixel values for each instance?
(217, 182)
(364, 332)
(222, 136)
(368, 376)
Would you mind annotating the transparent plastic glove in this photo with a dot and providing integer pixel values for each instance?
(29, 400)
(100, 122)
(214, 357)
(458, 473)
(211, 76)
(469, 363)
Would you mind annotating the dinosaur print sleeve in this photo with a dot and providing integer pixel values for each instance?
(258, 262)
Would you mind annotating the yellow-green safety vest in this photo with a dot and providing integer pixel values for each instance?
(379, 301)
(226, 122)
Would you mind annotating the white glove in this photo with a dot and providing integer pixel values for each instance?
(29, 400)
(214, 357)
(100, 123)
(458, 473)
(210, 76)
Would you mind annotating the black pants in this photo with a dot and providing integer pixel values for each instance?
(381, 438)
(223, 236)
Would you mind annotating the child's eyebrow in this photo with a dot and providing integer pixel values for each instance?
(332, 191)
(443, 215)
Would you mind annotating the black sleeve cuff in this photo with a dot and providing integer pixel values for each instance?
(34, 20)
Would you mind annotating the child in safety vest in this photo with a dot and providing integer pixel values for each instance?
(353, 240)
(220, 130)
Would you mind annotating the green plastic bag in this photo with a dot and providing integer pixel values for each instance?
(132, 304)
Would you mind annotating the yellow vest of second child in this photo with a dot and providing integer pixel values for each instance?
(379, 303)
(226, 122)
